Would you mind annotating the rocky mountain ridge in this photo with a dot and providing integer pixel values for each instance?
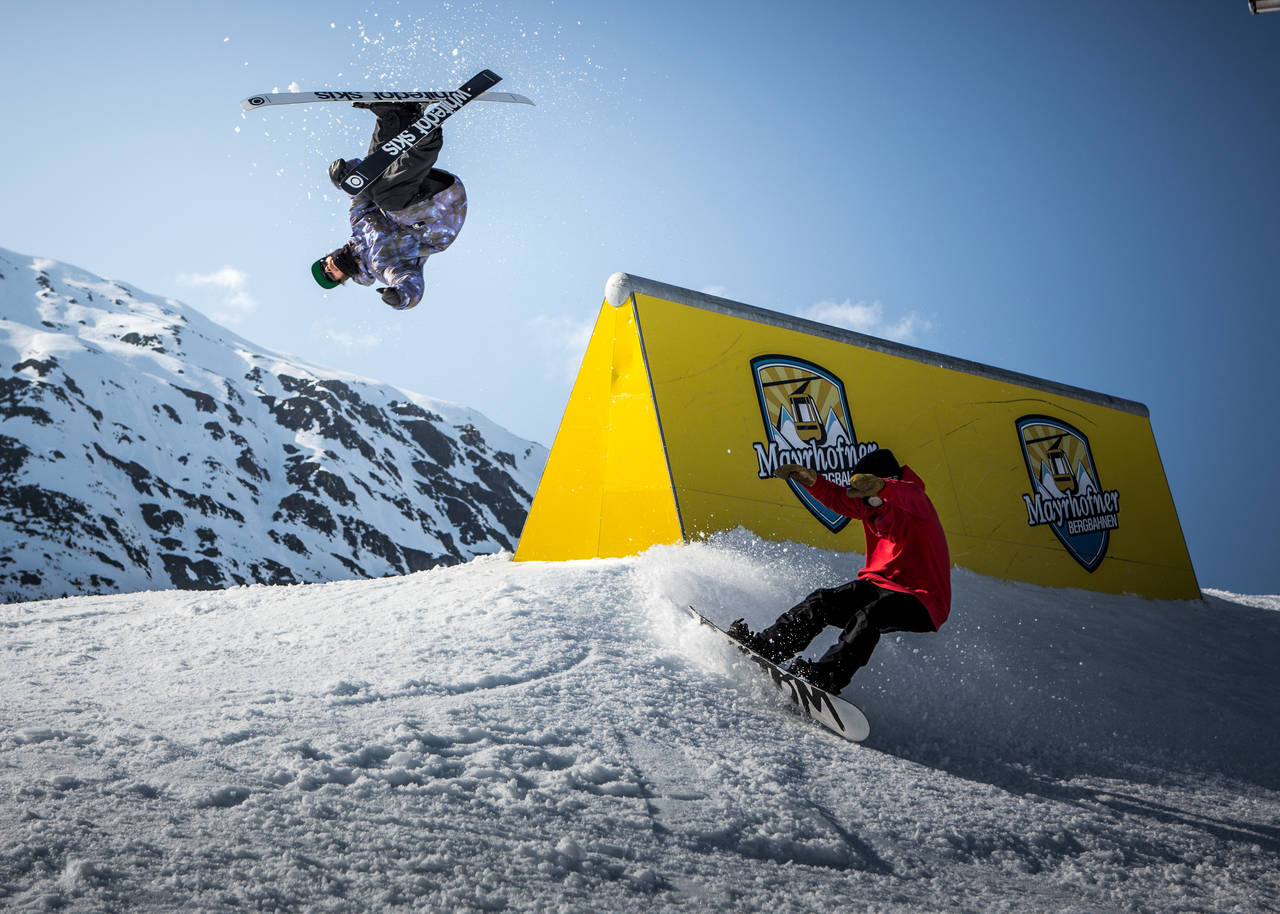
(143, 446)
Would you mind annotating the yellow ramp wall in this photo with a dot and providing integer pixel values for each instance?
(606, 490)
(665, 438)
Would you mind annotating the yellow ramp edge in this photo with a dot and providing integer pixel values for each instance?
(606, 490)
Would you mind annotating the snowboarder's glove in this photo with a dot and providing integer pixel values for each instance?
(864, 485)
(803, 475)
(390, 296)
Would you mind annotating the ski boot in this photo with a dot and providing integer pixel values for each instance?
(739, 632)
(815, 675)
(340, 168)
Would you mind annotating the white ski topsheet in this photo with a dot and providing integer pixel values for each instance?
(348, 96)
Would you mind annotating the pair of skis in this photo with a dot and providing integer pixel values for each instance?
(440, 106)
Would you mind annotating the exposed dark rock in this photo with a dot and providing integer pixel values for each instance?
(290, 542)
(203, 402)
(301, 413)
(363, 538)
(352, 568)
(503, 496)
(185, 574)
(417, 560)
(139, 475)
(269, 571)
(38, 511)
(312, 477)
(305, 479)
(470, 436)
(298, 509)
(246, 463)
(160, 520)
(208, 506)
(13, 392)
(107, 560)
(135, 550)
(40, 366)
(431, 440)
(13, 454)
(149, 341)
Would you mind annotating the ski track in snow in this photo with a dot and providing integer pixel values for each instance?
(561, 737)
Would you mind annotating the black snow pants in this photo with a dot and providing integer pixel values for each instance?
(412, 176)
(862, 610)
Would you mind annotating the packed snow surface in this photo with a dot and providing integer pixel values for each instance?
(501, 736)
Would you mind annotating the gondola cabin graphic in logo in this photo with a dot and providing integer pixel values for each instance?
(806, 421)
(1065, 492)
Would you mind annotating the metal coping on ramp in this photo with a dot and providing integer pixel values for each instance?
(621, 286)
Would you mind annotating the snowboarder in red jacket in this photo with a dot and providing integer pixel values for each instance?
(905, 585)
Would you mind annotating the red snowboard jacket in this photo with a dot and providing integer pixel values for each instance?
(906, 548)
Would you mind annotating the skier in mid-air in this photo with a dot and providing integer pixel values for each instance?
(413, 211)
(905, 585)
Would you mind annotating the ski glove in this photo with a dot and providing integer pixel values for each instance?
(390, 296)
(864, 485)
(803, 475)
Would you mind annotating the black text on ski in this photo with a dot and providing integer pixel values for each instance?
(380, 159)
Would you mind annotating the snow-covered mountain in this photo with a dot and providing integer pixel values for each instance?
(561, 736)
(145, 447)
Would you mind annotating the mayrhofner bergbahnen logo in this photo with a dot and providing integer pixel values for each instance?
(807, 422)
(1066, 495)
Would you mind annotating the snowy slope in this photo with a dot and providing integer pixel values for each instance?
(497, 736)
(145, 447)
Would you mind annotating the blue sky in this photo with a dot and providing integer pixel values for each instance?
(1086, 192)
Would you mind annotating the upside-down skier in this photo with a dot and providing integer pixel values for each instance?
(413, 211)
(905, 585)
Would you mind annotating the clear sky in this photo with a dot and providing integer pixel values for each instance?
(1082, 191)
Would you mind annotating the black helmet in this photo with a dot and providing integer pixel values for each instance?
(879, 462)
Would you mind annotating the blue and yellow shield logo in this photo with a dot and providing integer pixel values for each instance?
(806, 421)
(1066, 494)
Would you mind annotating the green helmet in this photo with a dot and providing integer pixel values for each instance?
(317, 271)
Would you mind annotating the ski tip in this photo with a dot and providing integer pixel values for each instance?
(515, 98)
(253, 101)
